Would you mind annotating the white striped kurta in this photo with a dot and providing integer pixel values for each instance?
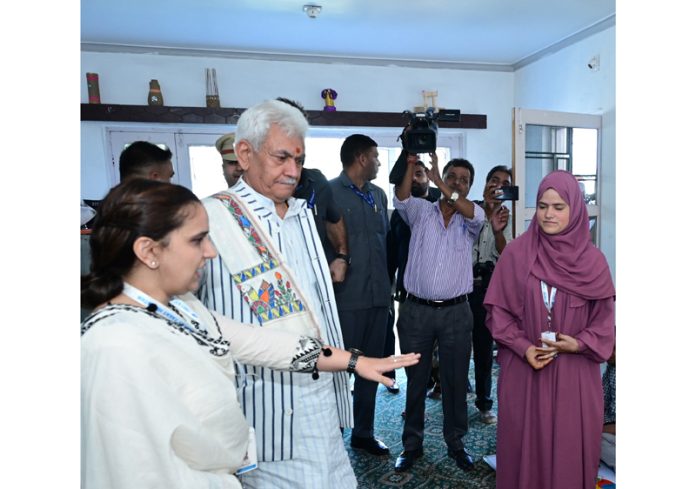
(296, 418)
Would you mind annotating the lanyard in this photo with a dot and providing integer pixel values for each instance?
(368, 197)
(185, 319)
(311, 201)
(164, 311)
(312, 198)
(548, 301)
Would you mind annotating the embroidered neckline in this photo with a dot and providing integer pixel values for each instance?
(216, 346)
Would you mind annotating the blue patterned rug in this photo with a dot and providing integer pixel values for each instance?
(435, 469)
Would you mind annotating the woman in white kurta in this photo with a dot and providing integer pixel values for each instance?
(157, 407)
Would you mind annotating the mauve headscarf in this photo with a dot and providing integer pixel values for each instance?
(568, 260)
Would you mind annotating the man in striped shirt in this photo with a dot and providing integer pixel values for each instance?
(437, 280)
(297, 418)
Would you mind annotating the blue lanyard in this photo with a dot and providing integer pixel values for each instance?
(164, 311)
(368, 197)
(312, 198)
(311, 201)
(183, 317)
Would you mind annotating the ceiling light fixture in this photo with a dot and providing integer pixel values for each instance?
(311, 10)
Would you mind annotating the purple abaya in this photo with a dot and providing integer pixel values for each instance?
(550, 420)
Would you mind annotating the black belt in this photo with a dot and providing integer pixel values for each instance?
(442, 303)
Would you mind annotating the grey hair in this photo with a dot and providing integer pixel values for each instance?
(255, 122)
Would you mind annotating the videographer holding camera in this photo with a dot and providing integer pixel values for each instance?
(437, 280)
(495, 234)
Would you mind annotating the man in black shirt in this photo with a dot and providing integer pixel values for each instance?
(363, 298)
(314, 188)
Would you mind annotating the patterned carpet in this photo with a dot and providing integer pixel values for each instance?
(435, 469)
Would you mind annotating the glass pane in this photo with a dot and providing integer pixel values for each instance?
(535, 169)
(584, 151)
(589, 188)
(206, 170)
(546, 139)
(324, 154)
(159, 145)
(593, 229)
(585, 162)
(547, 150)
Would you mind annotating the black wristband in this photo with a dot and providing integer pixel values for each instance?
(344, 257)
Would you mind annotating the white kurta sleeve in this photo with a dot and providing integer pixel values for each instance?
(267, 347)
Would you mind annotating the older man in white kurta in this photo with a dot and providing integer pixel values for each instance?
(297, 418)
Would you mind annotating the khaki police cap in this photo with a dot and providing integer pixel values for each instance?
(225, 146)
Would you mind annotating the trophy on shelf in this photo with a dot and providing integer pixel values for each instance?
(329, 95)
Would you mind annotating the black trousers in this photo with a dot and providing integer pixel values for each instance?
(483, 350)
(418, 327)
(390, 341)
(364, 329)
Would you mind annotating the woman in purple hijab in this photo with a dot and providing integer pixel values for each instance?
(551, 279)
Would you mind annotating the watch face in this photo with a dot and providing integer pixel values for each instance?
(454, 196)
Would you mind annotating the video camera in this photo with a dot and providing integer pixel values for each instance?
(420, 134)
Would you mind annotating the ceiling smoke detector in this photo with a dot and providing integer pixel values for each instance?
(312, 10)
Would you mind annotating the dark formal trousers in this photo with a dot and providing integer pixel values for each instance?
(483, 350)
(390, 341)
(419, 326)
(364, 329)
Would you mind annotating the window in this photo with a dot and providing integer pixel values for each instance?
(197, 163)
(547, 141)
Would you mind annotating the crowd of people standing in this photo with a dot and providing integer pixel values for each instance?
(224, 331)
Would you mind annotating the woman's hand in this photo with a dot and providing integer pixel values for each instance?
(539, 358)
(372, 368)
(565, 343)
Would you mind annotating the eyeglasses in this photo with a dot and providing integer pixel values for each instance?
(451, 177)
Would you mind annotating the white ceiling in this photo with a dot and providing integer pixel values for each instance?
(497, 34)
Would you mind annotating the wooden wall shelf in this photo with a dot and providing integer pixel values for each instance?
(207, 115)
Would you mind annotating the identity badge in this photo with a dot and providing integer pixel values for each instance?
(250, 461)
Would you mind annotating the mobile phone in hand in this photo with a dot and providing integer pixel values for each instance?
(510, 192)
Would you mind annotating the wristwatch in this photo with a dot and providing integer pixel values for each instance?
(354, 354)
(453, 198)
(344, 257)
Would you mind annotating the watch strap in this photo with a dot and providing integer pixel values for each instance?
(354, 354)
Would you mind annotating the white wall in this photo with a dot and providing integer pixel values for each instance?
(563, 82)
(559, 82)
(124, 79)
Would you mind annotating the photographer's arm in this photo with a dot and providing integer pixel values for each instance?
(462, 205)
(403, 189)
